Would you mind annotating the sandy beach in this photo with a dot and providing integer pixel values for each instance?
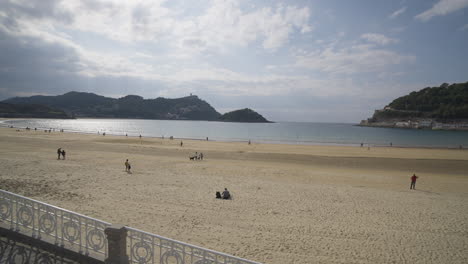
(292, 203)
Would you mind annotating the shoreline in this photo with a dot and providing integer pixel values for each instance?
(285, 142)
(393, 126)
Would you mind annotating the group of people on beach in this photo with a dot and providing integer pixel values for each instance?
(61, 152)
(225, 195)
(196, 156)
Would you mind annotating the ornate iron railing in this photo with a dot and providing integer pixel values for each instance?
(87, 236)
(13, 252)
(63, 227)
(146, 248)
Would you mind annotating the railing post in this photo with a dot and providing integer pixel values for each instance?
(117, 244)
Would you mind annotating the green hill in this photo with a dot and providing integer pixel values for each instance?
(244, 115)
(443, 107)
(444, 102)
(30, 111)
(132, 106)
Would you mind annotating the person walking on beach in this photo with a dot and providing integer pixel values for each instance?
(413, 181)
(59, 152)
(63, 153)
(127, 164)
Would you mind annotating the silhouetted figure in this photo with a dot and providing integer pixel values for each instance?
(362, 145)
(413, 181)
(181, 143)
(206, 138)
(218, 195)
(391, 144)
(59, 152)
(127, 164)
(226, 195)
(63, 153)
(200, 156)
(249, 142)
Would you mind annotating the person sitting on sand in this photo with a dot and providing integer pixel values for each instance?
(59, 152)
(226, 195)
(126, 165)
(63, 153)
(218, 195)
(413, 181)
(200, 157)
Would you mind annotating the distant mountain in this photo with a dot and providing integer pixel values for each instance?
(30, 111)
(444, 107)
(81, 104)
(244, 115)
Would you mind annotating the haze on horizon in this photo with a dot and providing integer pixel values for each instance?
(321, 61)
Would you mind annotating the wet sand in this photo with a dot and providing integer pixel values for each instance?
(292, 204)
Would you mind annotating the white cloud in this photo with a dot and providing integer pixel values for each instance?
(217, 27)
(397, 13)
(351, 60)
(378, 39)
(224, 23)
(441, 8)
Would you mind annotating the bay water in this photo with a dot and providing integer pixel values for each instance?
(281, 132)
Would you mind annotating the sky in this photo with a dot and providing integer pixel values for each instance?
(300, 61)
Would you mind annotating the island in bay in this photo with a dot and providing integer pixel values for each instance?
(81, 104)
(444, 107)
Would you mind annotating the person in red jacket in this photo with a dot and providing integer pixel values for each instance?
(413, 182)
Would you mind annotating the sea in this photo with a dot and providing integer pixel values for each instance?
(300, 133)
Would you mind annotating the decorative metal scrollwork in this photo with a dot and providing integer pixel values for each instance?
(43, 259)
(25, 215)
(47, 223)
(19, 255)
(71, 230)
(5, 209)
(96, 239)
(171, 254)
(3, 248)
(142, 252)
